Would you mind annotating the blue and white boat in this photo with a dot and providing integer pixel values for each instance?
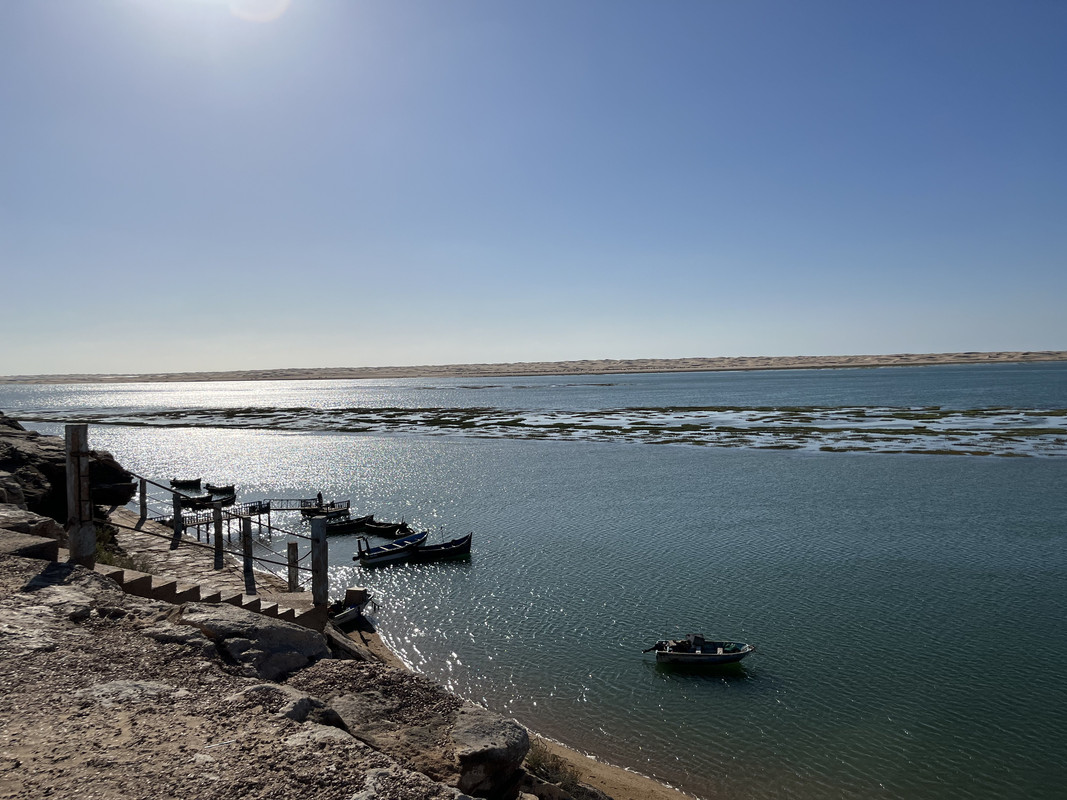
(388, 553)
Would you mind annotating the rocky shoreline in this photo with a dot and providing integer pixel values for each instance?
(111, 695)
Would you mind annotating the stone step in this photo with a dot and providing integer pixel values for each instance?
(109, 571)
(136, 583)
(208, 595)
(165, 589)
(173, 590)
(314, 618)
(187, 593)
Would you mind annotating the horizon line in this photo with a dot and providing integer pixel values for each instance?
(562, 368)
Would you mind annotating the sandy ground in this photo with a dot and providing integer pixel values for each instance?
(587, 367)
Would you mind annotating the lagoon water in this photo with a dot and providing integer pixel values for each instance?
(909, 610)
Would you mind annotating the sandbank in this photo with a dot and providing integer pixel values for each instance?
(603, 366)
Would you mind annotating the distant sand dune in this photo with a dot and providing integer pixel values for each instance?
(605, 366)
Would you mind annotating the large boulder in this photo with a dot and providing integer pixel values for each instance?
(421, 725)
(38, 465)
(489, 749)
(259, 646)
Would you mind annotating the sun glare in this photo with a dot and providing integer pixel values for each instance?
(258, 10)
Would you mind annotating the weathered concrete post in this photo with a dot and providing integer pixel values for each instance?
(293, 553)
(216, 513)
(81, 533)
(246, 544)
(144, 498)
(179, 527)
(320, 563)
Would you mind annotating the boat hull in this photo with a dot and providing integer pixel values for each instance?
(391, 553)
(343, 527)
(700, 658)
(448, 551)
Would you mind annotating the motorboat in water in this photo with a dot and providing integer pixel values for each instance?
(695, 649)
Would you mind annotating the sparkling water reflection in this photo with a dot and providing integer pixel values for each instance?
(908, 610)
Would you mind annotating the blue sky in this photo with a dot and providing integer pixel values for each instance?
(394, 182)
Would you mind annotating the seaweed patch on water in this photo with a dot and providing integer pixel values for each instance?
(926, 430)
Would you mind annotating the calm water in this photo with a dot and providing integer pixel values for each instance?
(909, 609)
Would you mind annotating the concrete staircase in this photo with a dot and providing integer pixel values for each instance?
(220, 586)
(172, 590)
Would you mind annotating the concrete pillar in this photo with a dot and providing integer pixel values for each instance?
(216, 513)
(81, 532)
(293, 553)
(246, 546)
(320, 563)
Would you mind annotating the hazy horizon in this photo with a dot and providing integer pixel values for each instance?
(571, 367)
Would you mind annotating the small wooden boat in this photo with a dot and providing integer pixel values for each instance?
(391, 553)
(199, 501)
(215, 488)
(446, 551)
(330, 510)
(207, 501)
(387, 530)
(350, 610)
(185, 483)
(695, 649)
(341, 527)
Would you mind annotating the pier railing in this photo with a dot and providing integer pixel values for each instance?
(208, 523)
(308, 505)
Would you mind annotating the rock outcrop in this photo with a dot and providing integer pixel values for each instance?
(259, 646)
(17, 518)
(33, 473)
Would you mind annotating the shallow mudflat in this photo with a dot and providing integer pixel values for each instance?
(975, 432)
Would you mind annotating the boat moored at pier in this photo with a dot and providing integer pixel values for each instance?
(446, 551)
(342, 526)
(388, 553)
